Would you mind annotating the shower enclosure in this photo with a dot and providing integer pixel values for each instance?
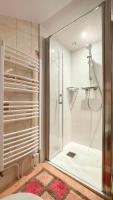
(79, 99)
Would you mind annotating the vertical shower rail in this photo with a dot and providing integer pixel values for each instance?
(17, 144)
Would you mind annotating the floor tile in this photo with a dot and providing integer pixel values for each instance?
(73, 196)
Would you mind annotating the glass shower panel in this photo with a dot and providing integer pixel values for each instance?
(76, 98)
(55, 99)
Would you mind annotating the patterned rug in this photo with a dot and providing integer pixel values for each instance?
(50, 187)
(50, 184)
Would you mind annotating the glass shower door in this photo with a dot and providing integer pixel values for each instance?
(55, 129)
(55, 139)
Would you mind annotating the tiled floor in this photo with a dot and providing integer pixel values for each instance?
(86, 164)
(51, 184)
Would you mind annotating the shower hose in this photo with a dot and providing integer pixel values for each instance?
(89, 93)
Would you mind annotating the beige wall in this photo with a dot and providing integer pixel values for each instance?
(20, 34)
(24, 36)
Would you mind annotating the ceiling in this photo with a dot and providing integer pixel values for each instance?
(33, 10)
(55, 14)
(52, 14)
(86, 30)
(75, 9)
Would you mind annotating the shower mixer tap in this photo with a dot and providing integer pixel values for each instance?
(90, 88)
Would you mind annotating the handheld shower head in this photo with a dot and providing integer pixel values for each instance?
(89, 46)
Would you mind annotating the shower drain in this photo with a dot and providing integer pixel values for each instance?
(71, 154)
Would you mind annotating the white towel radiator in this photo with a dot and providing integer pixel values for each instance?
(19, 105)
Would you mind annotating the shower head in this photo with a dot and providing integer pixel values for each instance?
(89, 46)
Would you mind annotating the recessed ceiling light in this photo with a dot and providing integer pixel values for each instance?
(84, 34)
(52, 50)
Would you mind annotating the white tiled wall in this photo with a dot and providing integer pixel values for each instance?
(80, 124)
(86, 125)
(66, 106)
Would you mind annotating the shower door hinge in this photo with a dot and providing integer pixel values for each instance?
(60, 99)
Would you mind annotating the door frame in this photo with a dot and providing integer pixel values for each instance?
(107, 99)
(107, 138)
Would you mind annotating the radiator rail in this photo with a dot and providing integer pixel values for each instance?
(19, 105)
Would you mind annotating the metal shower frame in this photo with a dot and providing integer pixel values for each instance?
(107, 138)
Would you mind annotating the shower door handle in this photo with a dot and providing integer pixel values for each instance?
(60, 101)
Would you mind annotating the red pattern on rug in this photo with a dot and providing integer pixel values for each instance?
(58, 188)
(33, 187)
(50, 187)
